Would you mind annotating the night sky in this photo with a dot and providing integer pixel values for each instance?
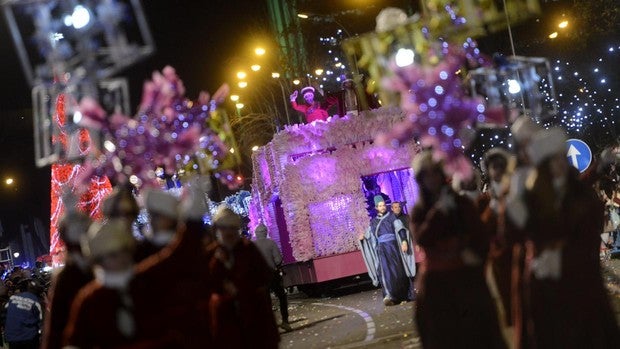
(206, 39)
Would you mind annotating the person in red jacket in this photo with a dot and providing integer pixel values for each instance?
(172, 288)
(453, 296)
(240, 306)
(74, 275)
(313, 110)
(102, 313)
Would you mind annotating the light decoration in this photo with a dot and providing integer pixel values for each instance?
(69, 50)
(341, 148)
(66, 177)
(170, 135)
(587, 102)
(591, 107)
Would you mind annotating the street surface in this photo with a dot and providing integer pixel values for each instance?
(357, 318)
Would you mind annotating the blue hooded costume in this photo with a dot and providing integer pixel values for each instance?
(387, 264)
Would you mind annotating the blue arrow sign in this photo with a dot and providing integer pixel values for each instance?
(579, 154)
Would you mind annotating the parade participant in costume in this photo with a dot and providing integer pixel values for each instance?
(454, 308)
(273, 256)
(388, 253)
(497, 164)
(313, 110)
(372, 189)
(121, 203)
(163, 210)
(397, 210)
(74, 275)
(23, 317)
(102, 313)
(470, 187)
(349, 102)
(568, 304)
(241, 305)
(172, 288)
(523, 129)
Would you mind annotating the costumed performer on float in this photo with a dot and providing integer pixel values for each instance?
(313, 110)
(388, 253)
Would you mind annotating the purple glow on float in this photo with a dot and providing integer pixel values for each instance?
(323, 217)
(264, 171)
(316, 171)
(323, 172)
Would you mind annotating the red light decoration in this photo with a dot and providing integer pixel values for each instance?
(65, 175)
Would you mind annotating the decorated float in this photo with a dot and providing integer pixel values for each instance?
(312, 182)
(311, 186)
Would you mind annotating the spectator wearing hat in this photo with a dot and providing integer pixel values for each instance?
(388, 252)
(241, 306)
(568, 303)
(74, 275)
(163, 210)
(273, 256)
(102, 313)
(312, 110)
(172, 288)
(121, 203)
(23, 317)
(349, 102)
(453, 296)
(498, 165)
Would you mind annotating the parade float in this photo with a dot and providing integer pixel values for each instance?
(309, 181)
(310, 188)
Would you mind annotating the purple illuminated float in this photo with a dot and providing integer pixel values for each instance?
(309, 189)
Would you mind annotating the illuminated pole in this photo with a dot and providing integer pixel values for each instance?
(284, 101)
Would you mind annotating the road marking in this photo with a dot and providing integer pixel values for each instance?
(370, 324)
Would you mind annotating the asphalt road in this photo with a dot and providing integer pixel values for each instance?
(357, 318)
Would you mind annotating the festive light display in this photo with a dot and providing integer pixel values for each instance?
(171, 136)
(592, 104)
(65, 178)
(316, 170)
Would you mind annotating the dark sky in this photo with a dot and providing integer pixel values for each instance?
(198, 37)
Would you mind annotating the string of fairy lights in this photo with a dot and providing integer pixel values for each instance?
(587, 98)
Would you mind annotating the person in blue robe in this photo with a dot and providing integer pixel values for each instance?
(388, 253)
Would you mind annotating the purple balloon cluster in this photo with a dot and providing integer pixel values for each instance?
(169, 132)
(440, 114)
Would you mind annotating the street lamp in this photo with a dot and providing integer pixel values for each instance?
(563, 24)
(241, 74)
(259, 51)
(255, 67)
(243, 84)
(296, 82)
(275, 75)
(319, 72)
(234, 98)
(553, 35)
(239, 105)
(9, 181)
(255, 148)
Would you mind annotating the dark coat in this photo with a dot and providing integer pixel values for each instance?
(241, 306)
(65, 287)
(454, 308)
(574, 311)
(93, 320)
(171, 291)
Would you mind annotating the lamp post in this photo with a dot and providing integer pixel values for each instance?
(284, 102)
(258, 69)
